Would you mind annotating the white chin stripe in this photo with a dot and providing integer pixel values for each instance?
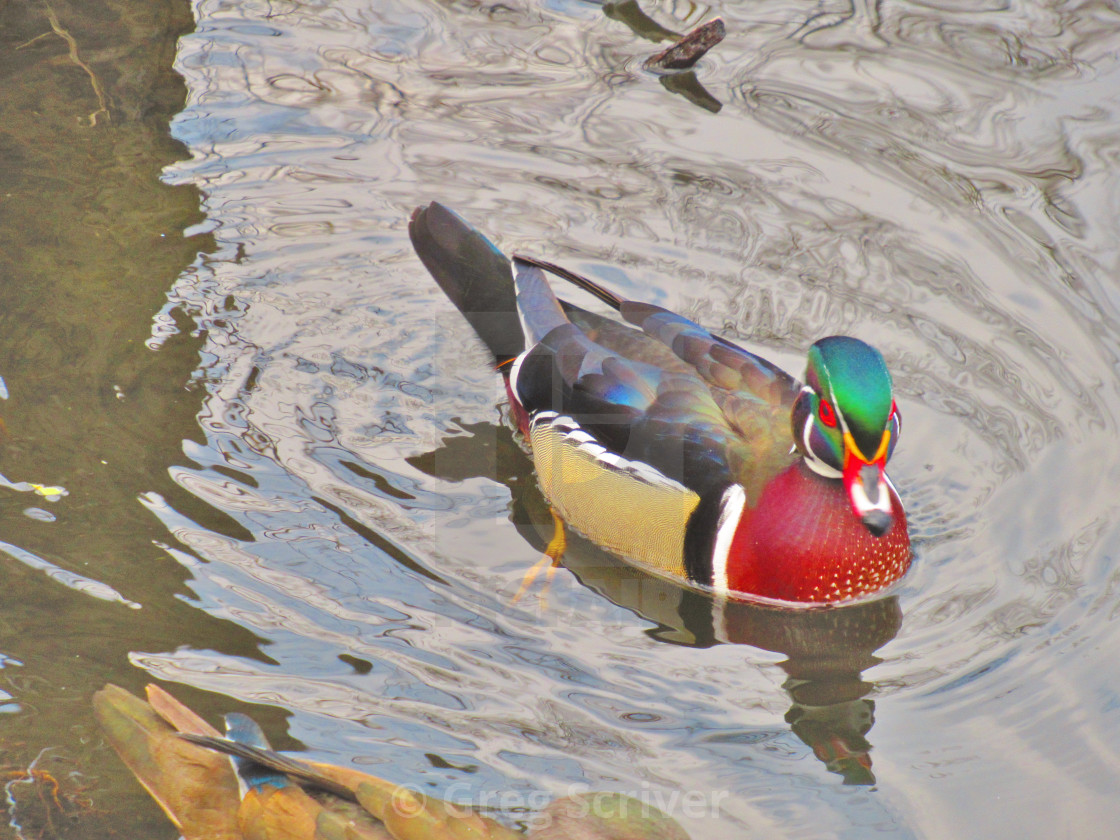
(893, 490)
(730, 512)
(811, 461)
(864, 505)
(821, 468)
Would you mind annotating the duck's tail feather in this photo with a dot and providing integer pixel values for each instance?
(474, 274)
(537, 305)
(590, 286)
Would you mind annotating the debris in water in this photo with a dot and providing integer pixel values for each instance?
(689, 49)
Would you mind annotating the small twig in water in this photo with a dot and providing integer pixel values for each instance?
(32, 41)
(102, 100)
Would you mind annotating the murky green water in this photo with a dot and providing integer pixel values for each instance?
(289, 487)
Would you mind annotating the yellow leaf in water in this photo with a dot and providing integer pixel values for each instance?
(48, 492)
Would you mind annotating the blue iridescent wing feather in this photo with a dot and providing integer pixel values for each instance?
(657, 395)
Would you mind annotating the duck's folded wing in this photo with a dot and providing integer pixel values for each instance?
(716, 360)
(721, 363)
(667, 394)
(665, 417)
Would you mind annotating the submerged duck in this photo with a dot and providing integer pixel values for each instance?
(183, 762)
(677, 450)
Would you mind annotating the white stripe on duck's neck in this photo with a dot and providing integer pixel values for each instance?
(730, 513)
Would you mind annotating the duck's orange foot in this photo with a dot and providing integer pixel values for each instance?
(549, 562)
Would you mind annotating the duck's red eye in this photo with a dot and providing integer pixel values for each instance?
(828, 416)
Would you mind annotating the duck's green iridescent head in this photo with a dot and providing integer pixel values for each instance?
(846, 424)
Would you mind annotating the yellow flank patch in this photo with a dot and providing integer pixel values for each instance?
(636, 517)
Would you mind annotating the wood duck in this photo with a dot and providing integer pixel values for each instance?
(183, 763)
(827, 650)
(677, 450)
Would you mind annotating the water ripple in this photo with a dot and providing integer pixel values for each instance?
(936, 177)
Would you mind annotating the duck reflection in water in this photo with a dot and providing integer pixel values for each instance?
(827, 650)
